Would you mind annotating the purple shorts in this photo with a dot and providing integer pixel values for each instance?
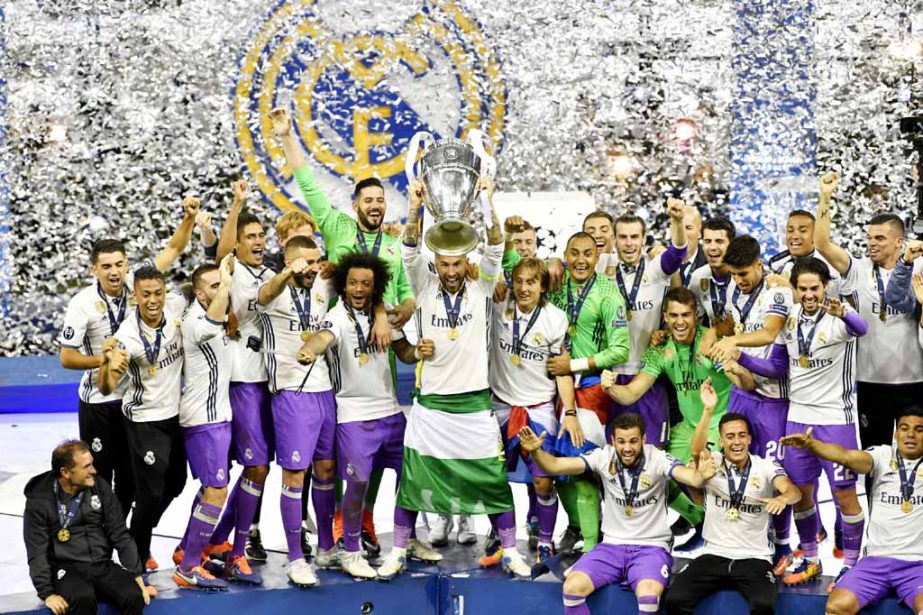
(767, 418)
(305, 425)
(252, 425)
(207, 448)
(608, 564)
(873, 578)
(654, 408)
(363, 446)
(804, 468)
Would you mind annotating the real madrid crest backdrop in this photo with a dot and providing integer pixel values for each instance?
(111, 112)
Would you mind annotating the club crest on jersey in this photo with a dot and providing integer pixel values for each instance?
(703, 285)
(756, 483)
(68, 333)
(61, 573)
(220, 474)
(822, 337)
(248, 453)
(778, 298)
(792, 323)
(296, 457)
(537, 338)
(645, 481)
(95, 504)
(358, 92)
(100, 306)
(132, 302)
(96, 445)
(149, 458)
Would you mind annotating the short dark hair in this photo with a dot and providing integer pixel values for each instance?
(368, 182)
(809, 264)
(245, 218)
(720, 223)
(579, 235)
(148, 272)
(299, 243)
(743, 251)
(200, 271)
(599, 214)
(681, 295)
(105, 246)
(62, 457)
(630, 219)
(801, 212)
(733, 416)
(537, 266)
(891, 219)
(359, 260)
(629, 420)
(911, 410)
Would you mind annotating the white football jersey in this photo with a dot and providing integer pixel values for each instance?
(364, 390)
(892, 532)
(457, 365)
(248, 366)
(282, 338)
(645, 311)
(745, 537)
(647, 524)
(206, 370)
(783, 263)
(152, 388)
(526, 383)
(711, 294)
(888, 353)
(776, 301)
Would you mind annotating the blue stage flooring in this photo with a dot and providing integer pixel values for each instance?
(457, 586)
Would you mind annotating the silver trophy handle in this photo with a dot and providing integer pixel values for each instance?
(488, 167)
(420, 140)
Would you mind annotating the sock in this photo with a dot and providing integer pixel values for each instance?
(371, 492)
(853, 526)
(404, 521)
(201, 525)
(567, 492)
(506, 528)
(575, 605)
(195, 502)
(324, 505)
(305, 496)
(351, 506)
(547, 509)
(686, 508)
(256, 517)
(782, 529)
(290, 503)
(533, 503)
(337, 493)
(248, 498)
(648, 604)
(228, 517)
(588, 503)
(806, 524)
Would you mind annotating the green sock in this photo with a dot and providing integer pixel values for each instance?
(680, 502)
(371, 493)
(567, 493)
(588, 506)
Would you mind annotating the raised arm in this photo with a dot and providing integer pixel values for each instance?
(228, 238)
(627, 394)
(557, 466)
(835, 255)
(697, 476)
(856, 460)
(898, 293)
(672, 259)
(709, 398)
(273, 288)
(181, 236)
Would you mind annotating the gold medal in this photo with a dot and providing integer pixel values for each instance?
(305, 336)
(510, 315)
(629, 510)
(515, 360)
(732, 514)
(629, 316)
(152, 370)
(101, 307)
(893, 464)
(739, 328)
(803, 361)
(453, 334)
(64, 534)
(572, 330)
(363, 358)
(883, 315)
(538, 337)
(906, 507)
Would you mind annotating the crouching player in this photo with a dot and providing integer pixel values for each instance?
(636, 535)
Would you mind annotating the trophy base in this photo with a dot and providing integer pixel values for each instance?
(451, 238)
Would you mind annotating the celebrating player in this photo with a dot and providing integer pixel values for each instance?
(710, 282)
(799, 239)
(695, 256)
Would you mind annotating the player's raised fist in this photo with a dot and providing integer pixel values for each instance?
(913, 250)
(514, 224)
(416, 192)
(241, 189)
(828, 183)
(191, 206)
(281, 122)
(675, 208)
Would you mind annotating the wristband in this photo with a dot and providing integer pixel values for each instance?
(571, 412)
(579, 365)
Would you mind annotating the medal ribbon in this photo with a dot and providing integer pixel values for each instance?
(151, 351)
(303, 309)
(745, 312)
(453, 311)
(804, 346)
(718, 299)
(639, 273)
(881, 293)
(685, 272)
(736, 491)
(907, 481)
(631, 493)
(574, 311)
(67, 512)
(517, 339)
(114, 321)
(360, 237)
(363, 341)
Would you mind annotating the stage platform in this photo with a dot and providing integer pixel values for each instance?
(456, 586)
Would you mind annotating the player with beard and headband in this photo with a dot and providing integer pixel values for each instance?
(370, 424)
(598, 336)
(884, 385)
(893, 558)
(147, 359)
(817, 353)
(740, 499)
(93, 315)
(636, 536)
(527, 330)
(710, 282)
(799, 239)
(760, 310)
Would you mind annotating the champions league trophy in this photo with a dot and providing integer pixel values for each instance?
(449, 170)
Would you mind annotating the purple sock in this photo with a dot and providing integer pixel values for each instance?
(806, 524)
(533, 503)
(547, 509)
(506, 527)
(248, 498)
(290, 505)
(226, 524)
(782, 526)
(404, 522)
(324, 504)
(195, 502)
(201, 525)
(853, 526)
(648, 604)
(351, 507)
(575, 605)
